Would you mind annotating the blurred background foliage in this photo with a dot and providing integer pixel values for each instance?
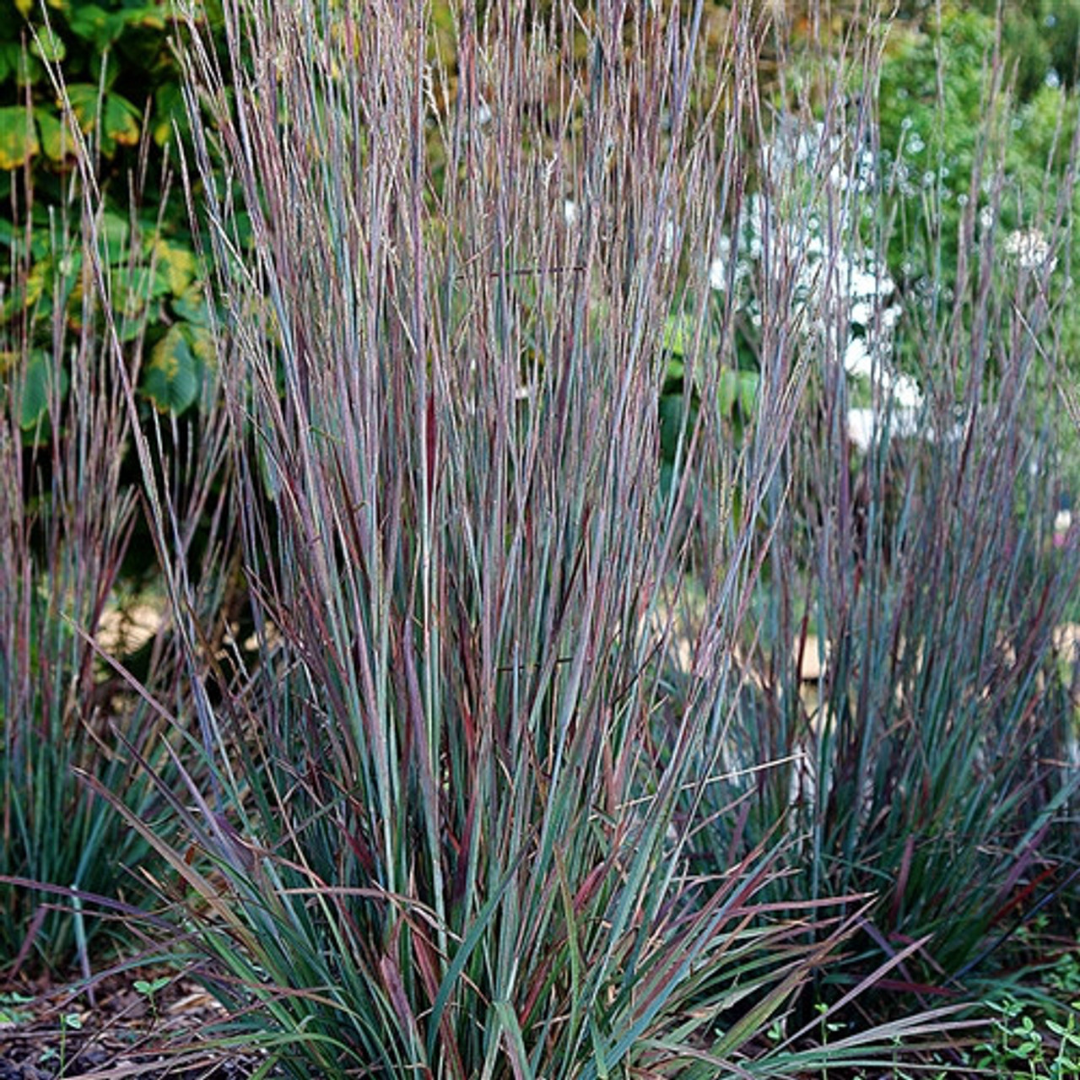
(122, 83)
(124, 87)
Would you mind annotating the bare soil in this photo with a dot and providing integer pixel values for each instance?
(49, 1033)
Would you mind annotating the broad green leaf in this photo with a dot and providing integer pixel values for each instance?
(10, 55)
(737, 388)
(202, 344)
(671, 424)
(56, 142)
(49, 45)
(39, 380)
(36, 281)
(115, 231)
(33, 289)
(121, 120)
(727, 390)
(191, 306)
(28, 69)
(173, 377)
(149, 16)
(41, 239)
(678, 337)
(18, 137)
(678, 333)
(95, 24)
(84, 98)
(168, 108)
(748, 388)
(175, 264)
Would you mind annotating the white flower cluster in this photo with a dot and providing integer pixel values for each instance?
(797, 144)
(833, 288)
(1030, 249)
(837, 281)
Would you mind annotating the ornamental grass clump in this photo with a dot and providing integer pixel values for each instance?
(437, 814)
(565, 395)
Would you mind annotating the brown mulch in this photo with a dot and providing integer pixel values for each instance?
(49, 1033)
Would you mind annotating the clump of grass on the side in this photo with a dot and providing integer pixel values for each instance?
(77, 723)
(915, 561)
(66, 516)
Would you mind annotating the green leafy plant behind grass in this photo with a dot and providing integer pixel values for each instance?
(68, 516)
(123, 102)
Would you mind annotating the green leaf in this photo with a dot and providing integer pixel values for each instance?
(37, 281)
(737, 388)
(39, 380)
(168, 109)
(674, 369)
(115, 231)
(727, 390)
(173, 377)
(748, 389)
(95, 24)
(515, 1038)
(121, 123)
(14, 1015)
(149, 16)
(49, 45)
(18, 137)
(10, 55)
(84, 98)
(191, 306)
(461, 957)
(678, 334)
(57, 143)
(174, 265)
(119, 118)
(671, 424)
(28, 69)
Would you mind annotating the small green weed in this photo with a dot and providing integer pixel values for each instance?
(10, 1011)
(58, 1055)
(149, 989)
(1025, 1043)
